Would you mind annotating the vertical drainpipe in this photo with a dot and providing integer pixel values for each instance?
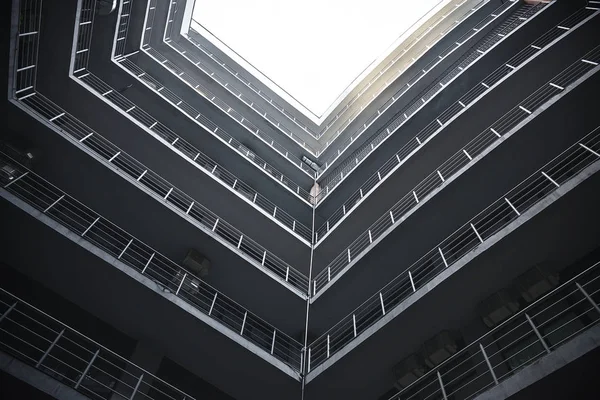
(312, 250)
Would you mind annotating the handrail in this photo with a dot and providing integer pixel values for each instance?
(154, 85)
(47, 344)
(533, 332)
(528, 53)
(169, 138)
(467, 155)
(161, 190)
(480, 228)
(105, 235)
(505, 29)
(229, 110)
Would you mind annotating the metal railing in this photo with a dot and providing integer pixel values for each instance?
(103, 234)
(475, 232)
(158, 129)
(277, 123)
(27, 47)
(457, 108)
(178, 201)
(532, 333)
(205, 163)
(229, 110)
(513, 22)
(128, 167)
(505, 124)
(148, 81)
(73, 359)
(416, 37)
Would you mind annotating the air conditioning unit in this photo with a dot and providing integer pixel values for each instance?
(439, 348)
(310, 163)
(245, 193)
(409, 370)
(197, 263)
(498, 307)
(7, 172)
(535, 283)
(246, 151)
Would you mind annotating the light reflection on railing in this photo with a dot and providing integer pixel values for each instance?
(480, 89)
(142, 76)
(392, 218)
(482, 227)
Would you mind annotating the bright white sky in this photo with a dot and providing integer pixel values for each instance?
(313, 49)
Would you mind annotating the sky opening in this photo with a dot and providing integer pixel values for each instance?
(313, 49)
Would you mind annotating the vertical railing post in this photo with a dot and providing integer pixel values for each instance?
(382, 306)
(477, 233)
(442, 386)
(354, 323)
(487, 361)
(54, 203)
(327, 346)
(213, 304)
(308, 365)
(412, 282)
(513, 207)
(87, 369)
(180, 284)
(537, 333)
(137, 386)
(49, 349)
(443, 258)
(243, 323)
(273, 342)
(587, 296)
(8, 311)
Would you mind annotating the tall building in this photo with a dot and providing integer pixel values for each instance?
(177, 226)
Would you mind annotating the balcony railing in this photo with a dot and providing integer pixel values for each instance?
(178, 201)
(151, 83)
(532, 333)
(161, 190)
(171, 139)
(517, 19)
(73, 359)
(222, 105)
(480, 228)
(467, 155)
(274, 120)
(27, 46)
(79, 219)
(481, 89)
